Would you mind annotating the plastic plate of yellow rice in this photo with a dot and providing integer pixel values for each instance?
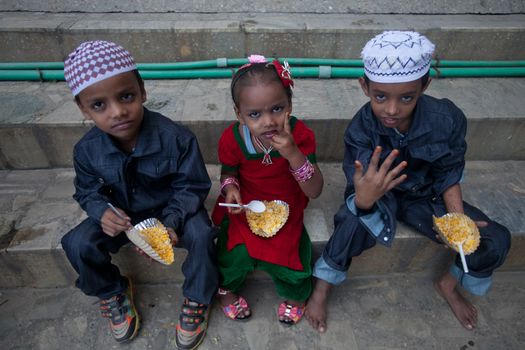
(152, 237)
(457, 228)
(269, 222)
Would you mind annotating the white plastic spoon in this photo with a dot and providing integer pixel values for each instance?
(255, 206)
(462, 256)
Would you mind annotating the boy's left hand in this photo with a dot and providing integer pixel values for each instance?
(141, 252)
(173, 236)
(283, 142)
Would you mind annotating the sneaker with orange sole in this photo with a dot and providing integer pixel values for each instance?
(192, 325)
(124, 320)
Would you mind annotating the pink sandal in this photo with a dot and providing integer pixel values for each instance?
(291, 314)
(237, 308)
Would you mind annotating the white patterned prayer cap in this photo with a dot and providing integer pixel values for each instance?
(397, 57)
(94, 61)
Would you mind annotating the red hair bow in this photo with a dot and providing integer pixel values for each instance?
(284, 73)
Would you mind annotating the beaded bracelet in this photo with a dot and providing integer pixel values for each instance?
(229, 181)
(304, 173)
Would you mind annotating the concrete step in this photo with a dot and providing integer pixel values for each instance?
(37, 210)
(268, 6)
(165, 37)
(40, 123)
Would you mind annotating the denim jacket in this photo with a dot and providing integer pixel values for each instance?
(434, 148)
(164, 173)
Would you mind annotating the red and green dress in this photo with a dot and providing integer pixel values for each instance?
(266, 182)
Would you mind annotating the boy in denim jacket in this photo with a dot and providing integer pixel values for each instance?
(146, 166)
(404, 160)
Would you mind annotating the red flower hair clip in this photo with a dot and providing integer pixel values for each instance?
(284, 73)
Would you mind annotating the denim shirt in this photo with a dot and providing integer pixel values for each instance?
(434, 148)
(165, 173)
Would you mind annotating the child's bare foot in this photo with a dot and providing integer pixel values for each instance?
(464, 311)
(234, 306)
(316, 307)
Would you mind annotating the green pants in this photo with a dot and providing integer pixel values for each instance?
(234, 266)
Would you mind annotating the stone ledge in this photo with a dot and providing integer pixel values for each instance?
(40, 123)
(37, 210)
(38, 36)
(439, 7)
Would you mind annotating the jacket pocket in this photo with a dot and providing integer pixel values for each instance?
(155, 167)
(430, 152)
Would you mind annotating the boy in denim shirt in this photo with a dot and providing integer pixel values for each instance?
(146, 166)
(404, 159)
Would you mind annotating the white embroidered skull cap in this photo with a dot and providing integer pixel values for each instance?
(94, 61)
(397, 57)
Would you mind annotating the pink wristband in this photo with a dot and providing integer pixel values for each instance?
(304, 173)
(229, 181)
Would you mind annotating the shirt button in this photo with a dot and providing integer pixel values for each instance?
(385, 238)
(387, 230)
(101, 180)
(133, 190)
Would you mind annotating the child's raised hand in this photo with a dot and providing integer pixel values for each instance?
(283, 142)
(112, 224)
(377, 180)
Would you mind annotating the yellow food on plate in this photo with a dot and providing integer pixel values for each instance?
(456, 228)
(158, 238)
(269, 222)
(152, 238)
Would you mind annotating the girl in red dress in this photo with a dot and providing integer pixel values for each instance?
(266, 155)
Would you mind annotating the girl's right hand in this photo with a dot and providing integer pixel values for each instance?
(233, 196)
(112, 225)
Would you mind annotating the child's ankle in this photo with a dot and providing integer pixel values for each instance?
(299, 303)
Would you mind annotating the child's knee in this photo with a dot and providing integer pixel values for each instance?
(65, 241)
(504, 239)
(497, 239)
(71, 241)
(76, 247)
(80, 240)
(198, 232)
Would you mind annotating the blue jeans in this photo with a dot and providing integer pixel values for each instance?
(88, 249)
(350, 239)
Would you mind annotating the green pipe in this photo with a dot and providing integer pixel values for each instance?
(32, 75)
(478, 72)
(235, 62)
(31, 65)
(466, 64)
(218, 63)
(298, 72)
(359, 63)
(337, 72)
(188, 74)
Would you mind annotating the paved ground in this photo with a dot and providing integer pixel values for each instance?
(397, 312)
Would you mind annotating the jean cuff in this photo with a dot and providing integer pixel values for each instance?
(474, 285)
(372, 221)
(323, 271)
